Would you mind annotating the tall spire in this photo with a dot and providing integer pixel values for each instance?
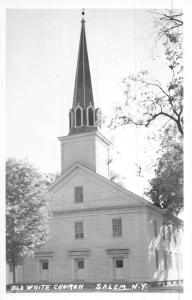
(83, 93)
(83, 117)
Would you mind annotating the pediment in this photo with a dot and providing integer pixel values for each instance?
(98, 191)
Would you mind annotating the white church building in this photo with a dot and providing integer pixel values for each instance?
(99, 231)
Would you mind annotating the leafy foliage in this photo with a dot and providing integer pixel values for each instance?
(26, 211)
(146, 98)
(166, 188)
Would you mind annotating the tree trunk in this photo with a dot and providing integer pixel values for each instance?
(14, 277)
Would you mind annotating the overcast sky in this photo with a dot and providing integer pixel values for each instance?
(41, 58)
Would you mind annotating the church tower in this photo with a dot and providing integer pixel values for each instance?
(84, 144)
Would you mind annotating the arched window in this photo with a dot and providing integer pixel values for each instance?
(78, 117)
(90, 116)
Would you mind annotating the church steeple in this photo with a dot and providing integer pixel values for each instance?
(84, 144)
(83, 117)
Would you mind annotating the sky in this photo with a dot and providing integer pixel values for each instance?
(41, 57)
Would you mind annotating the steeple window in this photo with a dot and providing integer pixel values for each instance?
(90, 116)
(78, 116)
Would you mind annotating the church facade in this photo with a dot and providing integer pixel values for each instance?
(99, 231)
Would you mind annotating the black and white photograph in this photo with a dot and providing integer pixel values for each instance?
(94, 150)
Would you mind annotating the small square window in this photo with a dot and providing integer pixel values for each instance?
(119, 263)
(78, 194)
(45, 265)
(80, 264)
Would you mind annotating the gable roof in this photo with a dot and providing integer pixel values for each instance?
(113, 185)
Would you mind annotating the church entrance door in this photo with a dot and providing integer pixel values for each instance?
(80, 269)
(118, 267)
(44, 270)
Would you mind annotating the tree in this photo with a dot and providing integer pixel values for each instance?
(166, 188)
(26, 211)
(146, 98)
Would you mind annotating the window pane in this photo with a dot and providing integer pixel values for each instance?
(117, 227)
(119, 263)
(80, 264)
(45, 265)
(78, 117)
(79, 230)
(78, 194)
(90, 114)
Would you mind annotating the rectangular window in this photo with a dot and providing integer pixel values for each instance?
(45, 265)
(157, 258)
(119, 263)
(78, 194)
(117, 227)
(80, 264)
(155, 228)
(79, 230)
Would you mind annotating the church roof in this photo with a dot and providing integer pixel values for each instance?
(83, 93)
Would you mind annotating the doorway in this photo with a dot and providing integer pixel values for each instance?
(80, 269)
(44, 270)
(118, 268)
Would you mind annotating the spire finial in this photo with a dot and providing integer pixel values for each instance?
(83, 13)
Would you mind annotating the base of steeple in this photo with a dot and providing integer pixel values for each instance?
(88, 148)
(78, 130)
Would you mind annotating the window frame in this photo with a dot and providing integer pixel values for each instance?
(117, 228)
(79, 232)
(43, 264)
(118, 260)
(81, 114)
(87, 113)
(77, 194)
(79, 261)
